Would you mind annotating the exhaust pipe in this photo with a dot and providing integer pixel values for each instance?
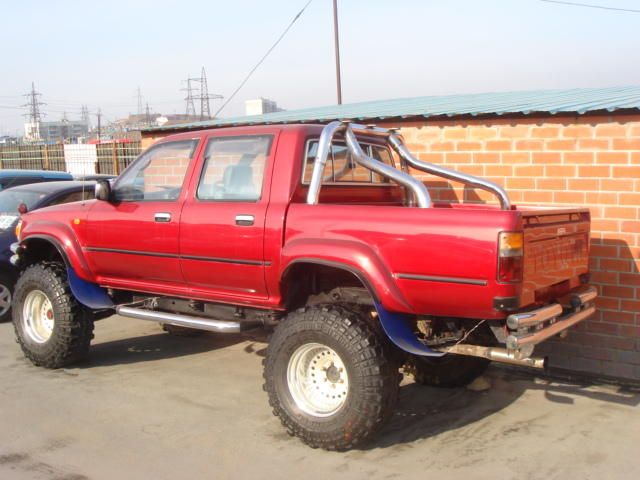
(500, 355)
(199, 323)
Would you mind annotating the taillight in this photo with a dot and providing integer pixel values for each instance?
(510, 257)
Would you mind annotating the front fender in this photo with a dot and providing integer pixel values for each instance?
(64, 239)
(356, 257)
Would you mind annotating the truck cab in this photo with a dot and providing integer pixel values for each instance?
(321, 233)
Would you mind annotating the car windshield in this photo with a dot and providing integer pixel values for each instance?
(9, 202)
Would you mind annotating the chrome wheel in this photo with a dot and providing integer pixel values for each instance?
(317, 380)
(37, 316)
(5, 299)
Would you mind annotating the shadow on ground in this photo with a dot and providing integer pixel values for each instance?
(148, 348)
(424, 412)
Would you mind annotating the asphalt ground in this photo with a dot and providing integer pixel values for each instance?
(147, 405)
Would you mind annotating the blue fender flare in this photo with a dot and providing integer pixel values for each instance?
(87, 293)
(399, 329)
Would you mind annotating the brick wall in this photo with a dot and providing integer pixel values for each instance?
(579, 161)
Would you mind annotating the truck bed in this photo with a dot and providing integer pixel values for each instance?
(443, 260)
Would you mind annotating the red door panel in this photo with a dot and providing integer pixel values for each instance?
(125, 241)
(220, 255)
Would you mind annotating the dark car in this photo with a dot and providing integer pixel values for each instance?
(29, 197)
(93, 176)
(14, 178)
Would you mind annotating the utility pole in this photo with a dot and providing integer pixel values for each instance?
(99, 115)
(34, 115)
(205, 97)
(148, 115)
(191, 107)
(139, 102)
(336, 40)
(84, 114)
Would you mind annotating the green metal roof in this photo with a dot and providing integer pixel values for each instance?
(576, 100)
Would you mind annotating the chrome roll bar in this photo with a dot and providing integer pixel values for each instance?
(473, 181)
(416, 187)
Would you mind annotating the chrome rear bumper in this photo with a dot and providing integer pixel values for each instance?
(535, 326)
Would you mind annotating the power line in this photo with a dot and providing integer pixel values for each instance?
(295, 19)
(34, 105)
(189, 99)
(205, 97)
(572, 4)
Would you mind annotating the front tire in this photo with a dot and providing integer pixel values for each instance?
(52, 328)
(330, 377)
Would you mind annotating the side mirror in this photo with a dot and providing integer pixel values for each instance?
(22, 208)
(103, 190)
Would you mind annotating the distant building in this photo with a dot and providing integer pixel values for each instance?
(57, 131)
(260, 106)
(7, 140)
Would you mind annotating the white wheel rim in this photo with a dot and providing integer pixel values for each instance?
(5, 299)
(317, 380)
(37, 316)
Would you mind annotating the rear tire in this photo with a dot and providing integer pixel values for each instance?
(52, 328)
(329, 377)
(449, 371)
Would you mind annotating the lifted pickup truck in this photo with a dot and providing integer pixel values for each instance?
(321, 233)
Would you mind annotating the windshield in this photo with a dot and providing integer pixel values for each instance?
(9, 202)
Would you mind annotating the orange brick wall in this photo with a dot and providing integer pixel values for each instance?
(576, 161)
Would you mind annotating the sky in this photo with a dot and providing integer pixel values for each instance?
(99, 53)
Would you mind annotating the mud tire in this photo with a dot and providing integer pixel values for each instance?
(72, 323)
(373, 376)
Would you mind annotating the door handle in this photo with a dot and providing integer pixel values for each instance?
(162, 217)
(245, 220)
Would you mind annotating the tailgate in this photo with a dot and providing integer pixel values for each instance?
(556, 252)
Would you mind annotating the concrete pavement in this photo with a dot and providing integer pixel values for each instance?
(148, 405)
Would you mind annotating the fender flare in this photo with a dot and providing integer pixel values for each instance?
(87, 293)
(390, 305)
(355, 257)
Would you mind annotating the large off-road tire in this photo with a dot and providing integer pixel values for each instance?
(449, 371)
(178, 331)
(330, 377)
(52, 328)
(7, 282)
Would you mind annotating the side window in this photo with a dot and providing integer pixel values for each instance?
(340, 167)
(158, 174)
(73, 197)
(234, 168)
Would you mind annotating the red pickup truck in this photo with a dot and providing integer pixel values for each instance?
(322, 233)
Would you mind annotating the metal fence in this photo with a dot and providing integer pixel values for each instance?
(112, 158)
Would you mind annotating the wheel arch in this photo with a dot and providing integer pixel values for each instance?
(294, 278)
(40, 247)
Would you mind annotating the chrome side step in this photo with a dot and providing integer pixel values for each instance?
(200, 323)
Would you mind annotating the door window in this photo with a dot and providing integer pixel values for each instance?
(234, 168)
(157, 175)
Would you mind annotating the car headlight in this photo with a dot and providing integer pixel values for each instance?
(18, 229)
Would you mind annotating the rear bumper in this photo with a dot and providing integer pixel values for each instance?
(536, 326)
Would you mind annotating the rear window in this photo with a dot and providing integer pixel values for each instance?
(341, 168)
